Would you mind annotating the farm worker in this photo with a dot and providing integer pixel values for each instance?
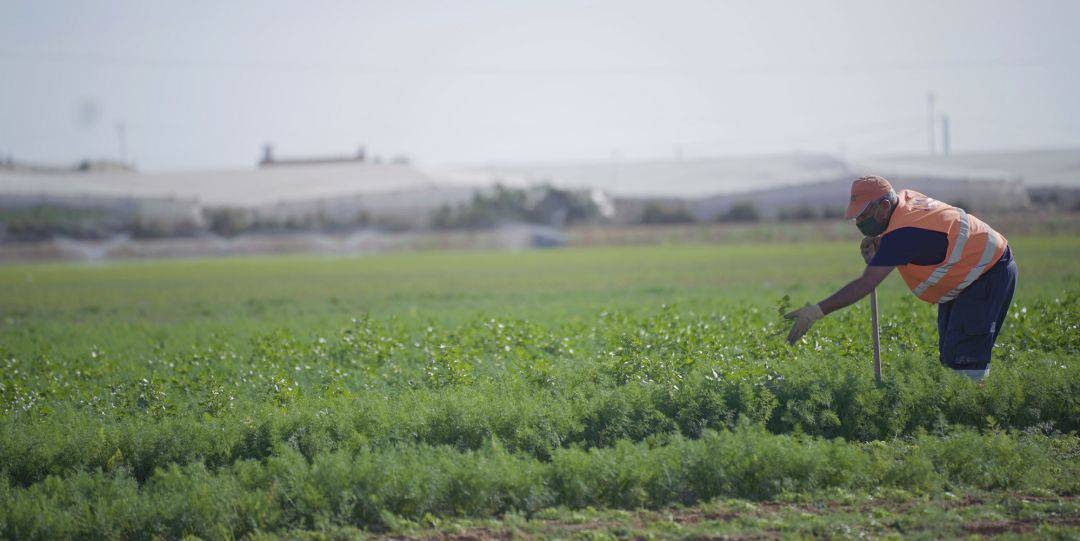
(946, 256)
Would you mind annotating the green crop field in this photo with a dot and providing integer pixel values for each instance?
(604, 392)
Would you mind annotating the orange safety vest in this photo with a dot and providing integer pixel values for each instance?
(973, 246)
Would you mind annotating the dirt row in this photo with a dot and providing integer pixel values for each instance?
(768, 510)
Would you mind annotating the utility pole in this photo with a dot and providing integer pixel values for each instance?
(930, 124)
(122, 139)
(946, 144)
(616, 158)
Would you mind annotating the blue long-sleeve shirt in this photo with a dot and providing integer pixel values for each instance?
(915, 246)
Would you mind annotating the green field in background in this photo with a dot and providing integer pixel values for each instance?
(133, 306)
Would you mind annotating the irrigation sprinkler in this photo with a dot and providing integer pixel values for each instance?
(874, 332)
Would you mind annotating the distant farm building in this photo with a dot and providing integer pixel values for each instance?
(792, 185)
(979, 190)
(357, 189)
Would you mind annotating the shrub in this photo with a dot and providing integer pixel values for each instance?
(741, 212)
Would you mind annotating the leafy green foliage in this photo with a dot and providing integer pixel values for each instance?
(378, 419)
(542, 204)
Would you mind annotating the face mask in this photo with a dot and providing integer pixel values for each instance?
(871, 226)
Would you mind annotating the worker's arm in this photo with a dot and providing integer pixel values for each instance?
(858, 288)
(855, 289)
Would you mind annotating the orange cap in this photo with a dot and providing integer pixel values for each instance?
(864, 191)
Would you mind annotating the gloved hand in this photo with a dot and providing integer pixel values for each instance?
(869, 247)
(804, 317)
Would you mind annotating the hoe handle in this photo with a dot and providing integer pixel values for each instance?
(877, 342)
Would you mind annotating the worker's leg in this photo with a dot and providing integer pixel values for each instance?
(943, 311)
(973, 321)
(1011, 270)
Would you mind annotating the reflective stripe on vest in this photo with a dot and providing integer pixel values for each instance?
(957, 253)
(993, 241)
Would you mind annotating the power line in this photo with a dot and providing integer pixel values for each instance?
(136, 62)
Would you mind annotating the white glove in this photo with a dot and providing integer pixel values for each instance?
(804, 318)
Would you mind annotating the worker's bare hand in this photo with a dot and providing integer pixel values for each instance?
(869, 247)
(804, 318)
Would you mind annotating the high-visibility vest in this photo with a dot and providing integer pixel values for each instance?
(974, 247)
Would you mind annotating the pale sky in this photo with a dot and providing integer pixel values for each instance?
(203, 84)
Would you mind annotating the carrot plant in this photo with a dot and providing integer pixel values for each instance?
(495, 385)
